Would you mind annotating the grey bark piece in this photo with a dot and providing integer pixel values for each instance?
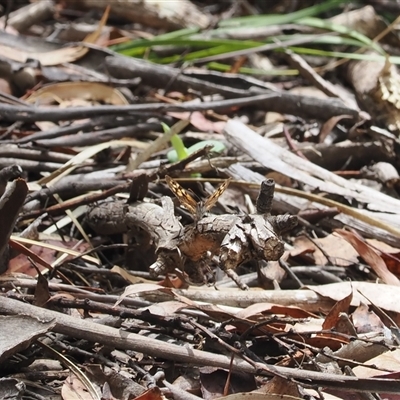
(272, 156)
(18, 332)
(234, 239)
(234, 249)
(292, 204)
(267, 246)
(11, 202)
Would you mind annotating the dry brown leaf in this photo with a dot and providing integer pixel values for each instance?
(68, 91)
(55, 57)
(383, 247)
(342, 306)
(329, 125)
(331, 249)
(127, 276)
(46, 251)
(386, 297)
(160, 14)
(366, 321)
(389, 254)
(389, 361)
(134, 290)
(151, 394)
(302, 245)
(321, 341)
(269, 308)
(166, 308)
(199, 121)
(74, 389)
(28, 252)
(278, 385)
(370, 256)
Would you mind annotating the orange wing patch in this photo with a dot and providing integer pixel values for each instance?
(197, 209)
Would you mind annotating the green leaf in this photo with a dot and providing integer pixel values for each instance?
(177, 144)
(218, 147)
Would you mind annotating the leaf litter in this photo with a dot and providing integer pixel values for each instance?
(284, 285)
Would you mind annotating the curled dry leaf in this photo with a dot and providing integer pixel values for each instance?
(370, 256)
(137, 289)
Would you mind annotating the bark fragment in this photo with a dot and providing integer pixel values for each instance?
(232, 239)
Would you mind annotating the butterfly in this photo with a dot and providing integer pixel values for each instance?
(196, 208)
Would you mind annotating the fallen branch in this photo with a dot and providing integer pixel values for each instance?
(83, 329)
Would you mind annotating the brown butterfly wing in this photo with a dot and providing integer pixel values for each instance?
(183, 196)
(210, 201)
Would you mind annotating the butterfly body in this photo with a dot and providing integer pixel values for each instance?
(197, 208)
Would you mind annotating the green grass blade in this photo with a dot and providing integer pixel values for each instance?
(278, 19)
(351, 56)
(167, 36)
(198, 55)
(140, 46)
(323, 24)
